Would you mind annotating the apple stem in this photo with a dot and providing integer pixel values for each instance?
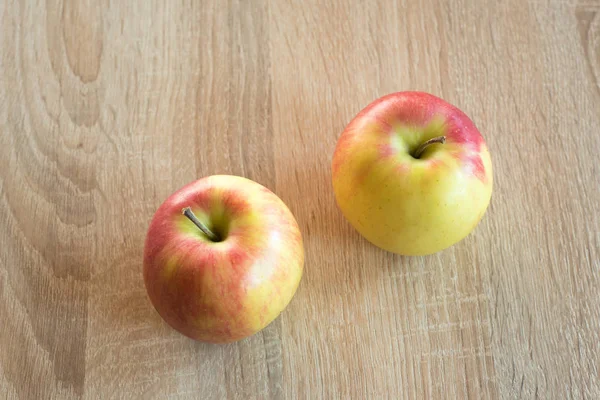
(187, 211)
(423, 146)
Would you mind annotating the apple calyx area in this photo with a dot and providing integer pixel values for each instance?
(187, 211)
(424, 145)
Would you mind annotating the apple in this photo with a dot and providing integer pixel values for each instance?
(412, 173)
(223, 257)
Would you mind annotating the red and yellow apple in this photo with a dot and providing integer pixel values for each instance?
(223, 257)
(412, 173)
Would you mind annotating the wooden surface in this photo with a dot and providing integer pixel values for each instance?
(107, 107)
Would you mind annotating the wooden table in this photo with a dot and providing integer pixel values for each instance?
(107, 107)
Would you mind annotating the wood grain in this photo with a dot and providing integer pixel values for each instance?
(108, 107)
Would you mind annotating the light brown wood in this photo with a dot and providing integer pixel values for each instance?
(107, 107)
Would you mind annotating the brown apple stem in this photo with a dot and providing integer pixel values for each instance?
(423, 146)
(187, 211)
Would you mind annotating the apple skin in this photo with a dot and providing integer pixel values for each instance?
(403, 204)
(222, 291)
